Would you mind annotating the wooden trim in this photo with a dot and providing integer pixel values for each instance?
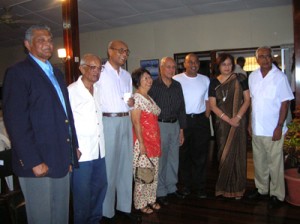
(71, 39)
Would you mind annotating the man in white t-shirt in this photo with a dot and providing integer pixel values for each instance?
(193, 153)
(270, 94)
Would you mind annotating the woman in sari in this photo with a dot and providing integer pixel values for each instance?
(229, 99)
(146, 140)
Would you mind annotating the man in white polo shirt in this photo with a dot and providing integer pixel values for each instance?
(193, 154)
(270, 94)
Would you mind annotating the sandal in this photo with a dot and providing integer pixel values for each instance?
(155, 206)
(146, 210)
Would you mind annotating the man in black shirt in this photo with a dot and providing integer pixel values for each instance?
(168, 95)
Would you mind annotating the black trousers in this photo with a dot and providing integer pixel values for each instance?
(194, 152)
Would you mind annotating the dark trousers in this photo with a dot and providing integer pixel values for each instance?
(89, 185)
(193, 153)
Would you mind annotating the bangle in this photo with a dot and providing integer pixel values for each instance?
(222, 115)
(239, 116)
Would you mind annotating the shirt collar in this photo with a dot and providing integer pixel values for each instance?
(44, 65)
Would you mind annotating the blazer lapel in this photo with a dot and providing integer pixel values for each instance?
(44, 76)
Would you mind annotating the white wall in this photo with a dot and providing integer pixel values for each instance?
(243, 29)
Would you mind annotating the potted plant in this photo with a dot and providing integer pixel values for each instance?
(291, 149)
(291, 146)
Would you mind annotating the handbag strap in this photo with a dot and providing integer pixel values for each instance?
(148, 159)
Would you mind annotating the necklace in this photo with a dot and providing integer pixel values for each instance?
(224, 95)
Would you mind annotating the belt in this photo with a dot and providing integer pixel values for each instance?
(115, 114)
(167, 120)
(195, 115)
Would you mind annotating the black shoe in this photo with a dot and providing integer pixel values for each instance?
(274, 202)
(185, 191)
(133, 218)
(162, 200)
(255, 195)
(106, 220)
(177, 194)
(201, 195)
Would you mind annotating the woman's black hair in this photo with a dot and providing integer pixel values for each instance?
(136, 76)
(221, 58)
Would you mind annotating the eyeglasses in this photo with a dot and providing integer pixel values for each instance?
(121, 50)
(267, 56)
(94, 67)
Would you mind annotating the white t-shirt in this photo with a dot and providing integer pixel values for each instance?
(112, 87)
(195, 92)
(267, 94)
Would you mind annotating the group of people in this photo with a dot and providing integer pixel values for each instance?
(90, 137)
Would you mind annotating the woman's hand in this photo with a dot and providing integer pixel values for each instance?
(143, 149)
(234, 122)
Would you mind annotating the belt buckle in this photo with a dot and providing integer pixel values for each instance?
(114, 114)
(192, 115)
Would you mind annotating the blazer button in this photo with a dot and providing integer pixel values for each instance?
(68, 140)
(66, 121)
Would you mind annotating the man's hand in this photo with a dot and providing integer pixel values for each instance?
(78, 153)
(40, 170)
(130, 102)
(277, 133)
(181, 137)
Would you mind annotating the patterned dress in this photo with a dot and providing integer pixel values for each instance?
(145, 194)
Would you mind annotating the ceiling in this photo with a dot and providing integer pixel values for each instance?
(106, 14)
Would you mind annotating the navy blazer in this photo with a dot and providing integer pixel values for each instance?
(38, 127)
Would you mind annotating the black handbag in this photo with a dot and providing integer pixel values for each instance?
(145, 175)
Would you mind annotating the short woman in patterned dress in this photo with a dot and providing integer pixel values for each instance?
(146, 139)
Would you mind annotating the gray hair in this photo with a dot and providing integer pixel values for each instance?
(29, 31)
(84, 58)
(263, 47)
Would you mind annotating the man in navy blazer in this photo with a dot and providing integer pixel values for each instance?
(39, 121)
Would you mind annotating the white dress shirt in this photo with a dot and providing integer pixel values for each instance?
(113, 86)
(88, 121)
(267, 94)
(195, 92)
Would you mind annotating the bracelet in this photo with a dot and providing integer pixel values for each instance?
(239, 116)
(222, 115)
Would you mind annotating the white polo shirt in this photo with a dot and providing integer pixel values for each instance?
(267, 94)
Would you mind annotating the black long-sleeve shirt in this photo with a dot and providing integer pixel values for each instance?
(170, 100)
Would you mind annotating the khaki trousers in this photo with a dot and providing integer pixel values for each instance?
(268, 166)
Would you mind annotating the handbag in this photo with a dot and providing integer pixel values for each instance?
(145, 175)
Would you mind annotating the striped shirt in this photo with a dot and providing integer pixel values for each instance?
(170, 100)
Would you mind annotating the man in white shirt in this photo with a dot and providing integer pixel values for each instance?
(88, 182)
(270, 94)
(240, 62)
(115, 85)
(193, 154)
